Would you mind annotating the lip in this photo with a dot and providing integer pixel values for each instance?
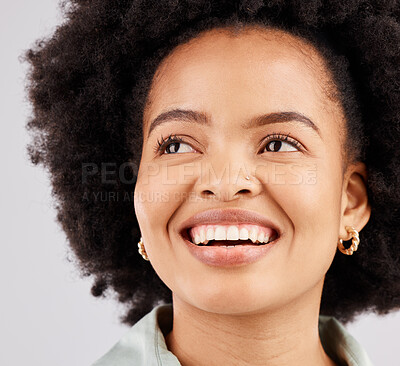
(227, 257)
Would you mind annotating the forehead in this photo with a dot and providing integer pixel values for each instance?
(257, 68)
(251, 44)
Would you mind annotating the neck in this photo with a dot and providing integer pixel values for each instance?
(285, 336)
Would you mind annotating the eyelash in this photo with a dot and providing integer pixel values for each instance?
(284, 138)
(163, 144)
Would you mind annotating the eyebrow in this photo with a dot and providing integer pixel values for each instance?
(202, 118)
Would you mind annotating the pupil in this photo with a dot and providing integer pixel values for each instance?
(277, 145)
(176, 144)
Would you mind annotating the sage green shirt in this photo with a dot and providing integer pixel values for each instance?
(144, 343)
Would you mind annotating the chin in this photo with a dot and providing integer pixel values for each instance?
(232, 303)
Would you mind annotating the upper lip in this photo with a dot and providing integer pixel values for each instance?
(226, 217)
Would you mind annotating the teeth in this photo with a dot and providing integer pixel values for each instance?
(204, 233)
(232, 233)
(220, 233)
(202, 236)
(210, 233)
(253, 234)
(244, 234)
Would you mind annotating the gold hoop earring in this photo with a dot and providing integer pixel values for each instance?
(354, 242)
(141, 250)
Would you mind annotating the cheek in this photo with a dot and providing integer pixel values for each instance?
(310, 200)
(158, 194)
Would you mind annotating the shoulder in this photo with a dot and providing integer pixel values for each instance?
(340, 345)
(144, 342)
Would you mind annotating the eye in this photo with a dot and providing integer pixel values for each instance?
(281, 143)
(176, 147)
(172, 145)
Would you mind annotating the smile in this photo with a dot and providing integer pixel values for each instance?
(231, 235)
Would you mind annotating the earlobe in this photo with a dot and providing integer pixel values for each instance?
(356, 210)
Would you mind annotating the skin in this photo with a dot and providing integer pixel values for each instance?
(266, 312)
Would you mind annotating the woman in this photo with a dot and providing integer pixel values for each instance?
(250, 147)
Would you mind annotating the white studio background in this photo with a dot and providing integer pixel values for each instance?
(48, 316)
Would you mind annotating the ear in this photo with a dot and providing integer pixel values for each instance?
(355, 208)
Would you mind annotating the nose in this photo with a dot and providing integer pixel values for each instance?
(227, 183)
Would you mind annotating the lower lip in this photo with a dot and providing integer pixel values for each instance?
(223, 257)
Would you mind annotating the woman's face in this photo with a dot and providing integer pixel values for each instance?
(295, 183)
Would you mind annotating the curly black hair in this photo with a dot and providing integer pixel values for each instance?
(88, 84)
